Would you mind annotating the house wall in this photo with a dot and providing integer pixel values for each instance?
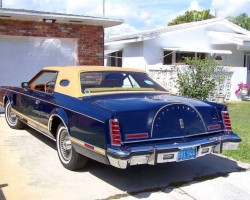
(234, 59)
(133, 56)
(153, 49)
(90, 42)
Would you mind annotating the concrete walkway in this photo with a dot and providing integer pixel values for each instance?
(233, 186)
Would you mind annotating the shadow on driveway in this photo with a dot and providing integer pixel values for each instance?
(2, 197)
(146, 178)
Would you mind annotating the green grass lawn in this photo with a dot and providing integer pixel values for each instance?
(240, 119)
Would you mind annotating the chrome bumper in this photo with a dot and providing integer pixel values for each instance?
(169, 152)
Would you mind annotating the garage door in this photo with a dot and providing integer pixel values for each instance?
(22, 58)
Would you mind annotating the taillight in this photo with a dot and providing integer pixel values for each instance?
(226, 120)
(115, 134)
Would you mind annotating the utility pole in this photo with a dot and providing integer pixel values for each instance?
(1, 4)
(103, 6)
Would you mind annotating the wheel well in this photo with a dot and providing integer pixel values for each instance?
(56, 121)
(5, 99)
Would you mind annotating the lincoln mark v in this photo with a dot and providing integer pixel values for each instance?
(117, 116)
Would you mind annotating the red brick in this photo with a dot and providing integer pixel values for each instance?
(89, 38)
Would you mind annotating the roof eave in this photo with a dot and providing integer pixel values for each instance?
(59, 18)
(180, 28)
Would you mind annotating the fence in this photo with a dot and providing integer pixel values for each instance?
(232, 76)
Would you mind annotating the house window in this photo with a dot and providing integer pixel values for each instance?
(181, 55)
(171, 57)
(201, 55)
(116, 59)
(247, 61)
(167, 58)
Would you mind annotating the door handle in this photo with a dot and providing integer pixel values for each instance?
(38, 101)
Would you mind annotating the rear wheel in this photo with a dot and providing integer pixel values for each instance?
(11, 117)
(69, 158)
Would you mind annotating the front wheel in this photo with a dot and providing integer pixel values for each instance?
(69, 158)
(11, 118)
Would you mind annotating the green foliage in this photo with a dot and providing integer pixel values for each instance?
(198, 79)
(191, 16)
(239, 112)
(242, 20)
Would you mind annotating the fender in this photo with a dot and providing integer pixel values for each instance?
(61, 114)
(6, 97)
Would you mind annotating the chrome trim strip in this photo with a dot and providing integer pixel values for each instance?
(152, 127)
(81, 143)
(168, 138)
(57, 105)
(29, 119)
(41, 132)
(50, 122)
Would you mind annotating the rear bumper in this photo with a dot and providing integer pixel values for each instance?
(153, 154)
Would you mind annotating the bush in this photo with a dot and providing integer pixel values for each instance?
(198, 80)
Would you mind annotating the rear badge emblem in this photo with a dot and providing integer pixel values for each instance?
(181, 123)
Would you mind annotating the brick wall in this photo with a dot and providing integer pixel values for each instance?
(89, 38)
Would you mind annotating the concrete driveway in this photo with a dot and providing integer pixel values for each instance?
(30, 169)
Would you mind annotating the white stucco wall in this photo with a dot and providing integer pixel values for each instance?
(133, 56)
(239, 75)
(153, 49)
(234, 59)
(150, 52)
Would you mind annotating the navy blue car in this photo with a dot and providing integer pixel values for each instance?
(117, 116)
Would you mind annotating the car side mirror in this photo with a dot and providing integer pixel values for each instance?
(24, 84)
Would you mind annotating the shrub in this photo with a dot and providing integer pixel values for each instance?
(198, 79)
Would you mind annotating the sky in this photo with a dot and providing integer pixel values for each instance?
(137, 14)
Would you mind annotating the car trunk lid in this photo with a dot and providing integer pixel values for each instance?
(160, 116)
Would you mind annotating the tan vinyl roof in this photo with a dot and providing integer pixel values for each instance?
(72, 73)
(89, 68)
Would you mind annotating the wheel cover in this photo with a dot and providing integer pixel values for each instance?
(65, 145)
(11, 116)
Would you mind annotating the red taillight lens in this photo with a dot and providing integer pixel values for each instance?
(226, 120)
(115, 134)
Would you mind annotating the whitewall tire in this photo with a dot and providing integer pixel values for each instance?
(69, 158)
(11, 117)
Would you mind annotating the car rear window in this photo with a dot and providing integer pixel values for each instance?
(101, 81)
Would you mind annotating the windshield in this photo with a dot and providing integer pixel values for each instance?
(102, 81)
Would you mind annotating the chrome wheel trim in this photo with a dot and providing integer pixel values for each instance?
(64, 145)
(11, 117)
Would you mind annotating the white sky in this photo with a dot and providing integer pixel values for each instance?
(138, 14)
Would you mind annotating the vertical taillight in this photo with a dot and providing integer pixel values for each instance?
(115, 134)
(226, 120)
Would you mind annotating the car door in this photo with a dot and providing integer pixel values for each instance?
(38, 104)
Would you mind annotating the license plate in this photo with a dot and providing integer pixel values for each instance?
(187, 154)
